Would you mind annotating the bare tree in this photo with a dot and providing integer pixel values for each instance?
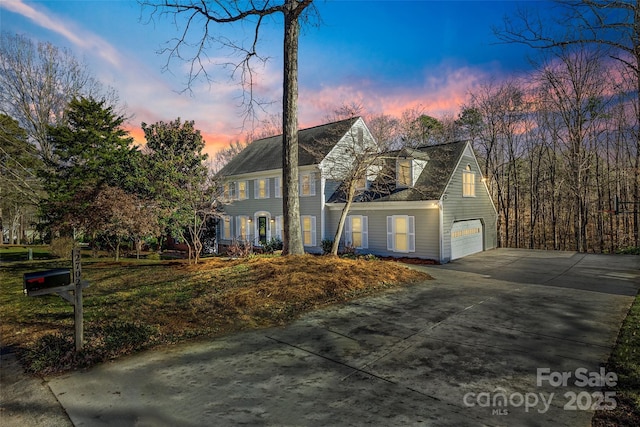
(613, 24)
(494, 115)
(385, 129)
(571, 84)
(201, 201)
(38, 81)
(209, 14)
(352, 164)
(224, 155)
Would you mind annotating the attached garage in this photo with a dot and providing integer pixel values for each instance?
(466, 238)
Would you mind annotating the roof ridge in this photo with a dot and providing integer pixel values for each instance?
(354, 118)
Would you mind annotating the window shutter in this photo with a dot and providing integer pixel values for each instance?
(238, 222)
(278, 186)
(347, 232)
(277, 232)
(313, 231)
(412, 234)
(256, 188)
(365, 232)
(390, 245)
(266, 188)
(223, 222)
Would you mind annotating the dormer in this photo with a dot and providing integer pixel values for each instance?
(409, 165)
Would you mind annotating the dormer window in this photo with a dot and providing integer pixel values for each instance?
(468, 182)
(404, 176)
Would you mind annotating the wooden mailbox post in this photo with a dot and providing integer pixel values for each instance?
(61, 281)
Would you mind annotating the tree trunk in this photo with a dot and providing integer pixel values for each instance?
(343, 216)
(292, 244)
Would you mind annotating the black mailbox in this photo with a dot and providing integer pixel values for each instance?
(46, 279)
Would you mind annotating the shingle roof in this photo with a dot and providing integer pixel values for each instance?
(266, 154)
(430, 185)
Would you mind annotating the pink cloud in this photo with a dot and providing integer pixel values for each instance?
(443, 92)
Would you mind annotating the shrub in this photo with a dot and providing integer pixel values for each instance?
(239, 249)
(629, 251)
(327, 244)
(348, 252)
(274, 244)
(154, 256)
(62, 247)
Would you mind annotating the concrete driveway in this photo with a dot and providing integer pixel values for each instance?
(463, 349)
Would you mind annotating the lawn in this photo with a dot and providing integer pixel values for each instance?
(133, 305)
(21, 253)
(625, 363)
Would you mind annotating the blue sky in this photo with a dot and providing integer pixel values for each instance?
(387, 55)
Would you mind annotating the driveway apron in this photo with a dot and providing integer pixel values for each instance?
(504, 337)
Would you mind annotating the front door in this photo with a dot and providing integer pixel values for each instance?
(262, 229)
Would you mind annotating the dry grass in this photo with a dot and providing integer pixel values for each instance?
(135, 305)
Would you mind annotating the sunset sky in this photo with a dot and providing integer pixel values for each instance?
(386, 55)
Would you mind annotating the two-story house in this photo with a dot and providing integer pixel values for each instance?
(436, 207)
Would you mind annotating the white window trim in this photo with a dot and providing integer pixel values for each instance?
(348, 233)
(246, 190)
(391, 233)
(279, 224)
(468, 188)
(239, 222)
(256, 188)
(224, 234)
(228, 190)
(278, 187)
(313, 229)
(312, 184)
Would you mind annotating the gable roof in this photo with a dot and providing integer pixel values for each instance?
(441, 159)
(266, 154)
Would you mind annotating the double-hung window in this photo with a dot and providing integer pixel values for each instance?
(356, 232)
(228, 190)
(468, 182)
(261, 188)
(242, 228)
(226, 227)
(307, 184)
(308, 230)
(279, 224)
(401, 234)
(242, 190)
(278, 186)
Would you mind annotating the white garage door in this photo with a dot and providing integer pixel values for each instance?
(466, 238)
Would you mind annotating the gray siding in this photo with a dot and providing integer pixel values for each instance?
(309, 205)
(427, 223)
(458, 208)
